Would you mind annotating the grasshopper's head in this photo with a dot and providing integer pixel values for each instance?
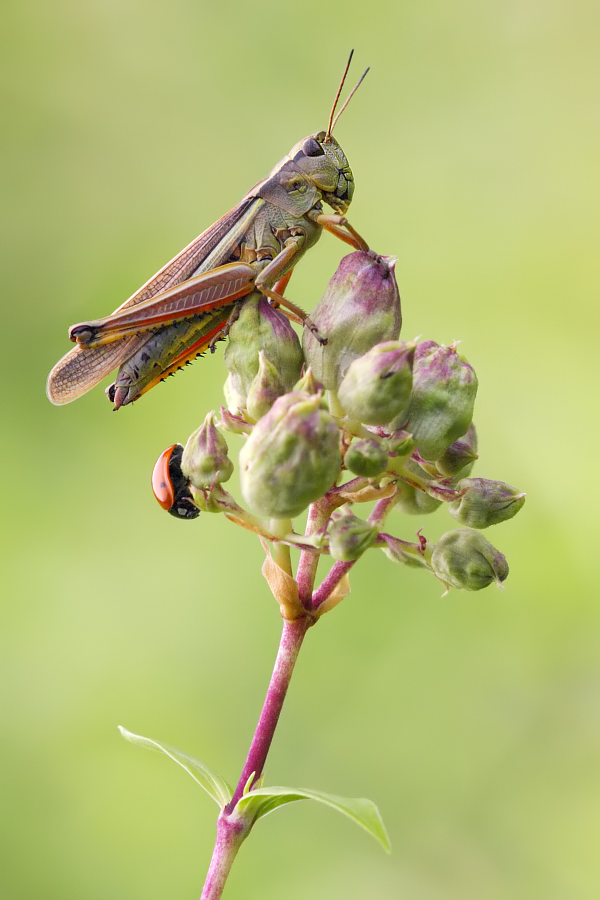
(322, 160)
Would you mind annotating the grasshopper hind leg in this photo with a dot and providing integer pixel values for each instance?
(163, 354)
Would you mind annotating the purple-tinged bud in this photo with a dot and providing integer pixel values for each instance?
(457, 459)
(234, 424)
(441, 408)
(414, 502)
(205, 461)
(308, 383)
(265, 389)
(366, 457)
(360, 308)
(465, 559)
(291, 458)
(402, 551)
(349, 536)
(260, 326)
(377, 385)
(485, 502)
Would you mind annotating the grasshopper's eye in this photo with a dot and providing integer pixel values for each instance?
(310, 147)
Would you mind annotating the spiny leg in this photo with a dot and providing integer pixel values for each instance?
(224, 331)
(275, 273)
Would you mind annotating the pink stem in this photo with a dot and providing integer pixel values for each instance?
(289, 647)
(231, 831)
(331, 581)
(318, 514)
(228, 842)
(337, 572)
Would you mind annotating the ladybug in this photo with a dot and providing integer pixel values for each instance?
(170, 486)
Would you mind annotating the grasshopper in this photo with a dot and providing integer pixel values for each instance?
(193, 300)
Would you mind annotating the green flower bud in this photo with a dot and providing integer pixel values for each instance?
(260, 326)
(465, 559)
(457, 459)
(308, 383)
(485, 502)
(291, 458)
(349, 536)
(414, 502)
(470, 439)
(441, 408)
(265, 389)
(232, 423)
(377, 386)
(400, 443)
(360, 308)
(366, 457)
(205, 461)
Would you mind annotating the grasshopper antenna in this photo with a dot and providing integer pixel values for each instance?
(337, 96)
(350, 96)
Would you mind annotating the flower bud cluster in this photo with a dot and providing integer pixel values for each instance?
(359, 416)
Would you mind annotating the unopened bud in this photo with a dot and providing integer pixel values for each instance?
(403, 552)
(349, 536)
(465, 559)
(260, 326)
(443, 396)
(291, 458)
(308, 383)
(366, 457)
(205, 461)
(400, 443)
(457, 459)
(377, 386)
(265, 389)
(234, 424)
(485, 502)
(360, 308)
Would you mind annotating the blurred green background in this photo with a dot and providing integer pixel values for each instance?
(474, 720)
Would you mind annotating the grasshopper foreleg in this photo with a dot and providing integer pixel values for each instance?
(336, 224)
(275, 271)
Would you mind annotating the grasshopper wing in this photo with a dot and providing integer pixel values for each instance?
(84, 367)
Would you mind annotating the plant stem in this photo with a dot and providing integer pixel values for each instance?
(231, 833)
(228, 842)
(289, 647)
(318, 513)
(337, 572)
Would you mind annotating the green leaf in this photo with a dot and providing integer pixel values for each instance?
(211, 781)
(264, 800)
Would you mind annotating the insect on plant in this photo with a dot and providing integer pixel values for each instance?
(395, 429)
(192, 301)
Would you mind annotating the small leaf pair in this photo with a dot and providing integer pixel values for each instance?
(255, 804)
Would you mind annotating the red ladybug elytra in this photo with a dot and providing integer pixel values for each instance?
(170, 486)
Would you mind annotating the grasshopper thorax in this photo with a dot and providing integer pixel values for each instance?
(323, 161)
